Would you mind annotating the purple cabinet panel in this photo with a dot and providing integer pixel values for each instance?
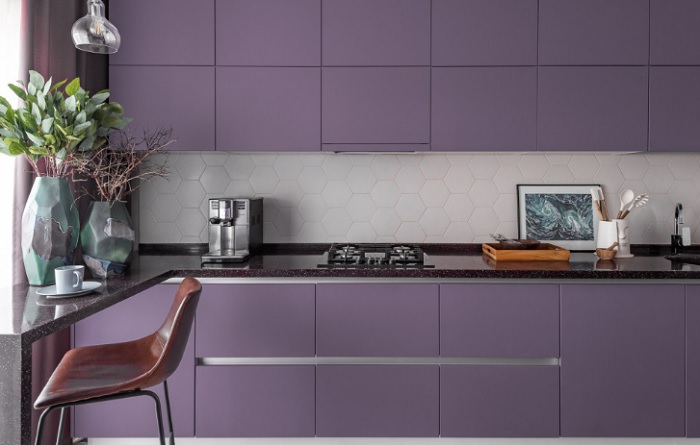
(692, 364)
(674, 107)
(484, 32)
(389, 320)
(376, 32)
(177, 97)
(593, 32)
(622, 360)
(499, 401)
(136, 317)
(268, 109)
(487, 109)
(255, 401)
(499, 320)
(675, 35)
(592, 108)
(152, 32)
(377, 401)
(256, 320)
(376, 105)
(268, 32)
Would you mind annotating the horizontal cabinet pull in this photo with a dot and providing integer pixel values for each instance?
(219, 361)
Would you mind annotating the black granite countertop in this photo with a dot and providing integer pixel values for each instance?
(31, 316)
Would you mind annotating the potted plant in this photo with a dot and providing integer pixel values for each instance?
(118, 169)
(50, 127)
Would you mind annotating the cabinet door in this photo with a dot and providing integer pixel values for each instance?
(268, 109)
(692, 371)
(593, 32)
(674, 106)
(152, 34)
(376, 105)
(255, 401)
(385, 320)
(499, 320)
(499, 401)
(484, 109)
(156, 97)
(256, 320)
(376, 32)
(136, 317)
(592, 108)
(675, 35)
(377, 401)
(268, 32)
(622, 360)
(484, 32)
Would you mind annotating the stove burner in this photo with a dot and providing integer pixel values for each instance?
(375, 255)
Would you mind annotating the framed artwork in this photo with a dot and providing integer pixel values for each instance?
(559, 214)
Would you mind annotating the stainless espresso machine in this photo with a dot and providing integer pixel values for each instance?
(235, 229)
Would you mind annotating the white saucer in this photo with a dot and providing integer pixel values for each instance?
(50, 291)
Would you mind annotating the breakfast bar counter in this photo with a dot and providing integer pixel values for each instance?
(27, 316)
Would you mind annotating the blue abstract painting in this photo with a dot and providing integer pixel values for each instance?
(559, 216)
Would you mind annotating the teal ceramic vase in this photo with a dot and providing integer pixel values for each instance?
(107, 239)
(50, 229)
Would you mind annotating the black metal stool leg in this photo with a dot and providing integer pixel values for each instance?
(167, 410)
(61, 422)
(40, 425)
(159, 415)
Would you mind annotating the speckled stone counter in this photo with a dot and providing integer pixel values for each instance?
(27, 317)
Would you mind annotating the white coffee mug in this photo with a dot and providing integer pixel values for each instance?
(69, 279)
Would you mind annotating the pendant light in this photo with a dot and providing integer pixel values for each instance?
(94, 33)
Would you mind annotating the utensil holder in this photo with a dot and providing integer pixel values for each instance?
(623, 239)
(607, 234)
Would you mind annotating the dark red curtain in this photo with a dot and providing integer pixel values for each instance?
(47, 48)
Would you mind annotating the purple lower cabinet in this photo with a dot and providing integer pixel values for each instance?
(385, 320)
(623, 360)
(136, 317)
(377, 401)
(255, 401)
(692, 370)
(499, 401)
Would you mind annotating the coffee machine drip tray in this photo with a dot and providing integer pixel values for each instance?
(225, 256)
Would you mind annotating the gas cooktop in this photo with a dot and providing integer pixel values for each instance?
(375, 255)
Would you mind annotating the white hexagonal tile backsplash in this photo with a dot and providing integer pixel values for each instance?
(426, 197)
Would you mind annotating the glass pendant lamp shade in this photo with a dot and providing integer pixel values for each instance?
(94, 33)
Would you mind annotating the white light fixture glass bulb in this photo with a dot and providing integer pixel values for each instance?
(94, 33)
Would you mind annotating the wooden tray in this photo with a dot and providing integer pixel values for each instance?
(544, 252)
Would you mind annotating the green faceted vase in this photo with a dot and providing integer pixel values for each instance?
(107, 239)
(50, 229)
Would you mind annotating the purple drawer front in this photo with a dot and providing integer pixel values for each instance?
(377, 400)
(377, 320)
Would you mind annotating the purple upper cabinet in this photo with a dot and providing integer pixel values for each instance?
(256, 320)
(136, 317)
(255, 401)
(484, 32)
(376, 32)
(592, 108)
(594, 32)
(623, 360)
(268, 109)
(692, 370)
(376, 105)
(499, 401)
(156, 97)
(390, 320)
(484, 109)
(675, 34)
(674, 107)
(499, 320)
(268, 32)
(377, 400)
(152, 32)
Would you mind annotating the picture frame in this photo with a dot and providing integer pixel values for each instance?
(560, 214)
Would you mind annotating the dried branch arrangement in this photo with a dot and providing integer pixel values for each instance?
(120, 167)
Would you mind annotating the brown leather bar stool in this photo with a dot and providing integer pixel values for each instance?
(116, 371)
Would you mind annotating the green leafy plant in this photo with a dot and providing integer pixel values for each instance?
(56, 125)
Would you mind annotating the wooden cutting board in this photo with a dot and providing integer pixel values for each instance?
(544, 252)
